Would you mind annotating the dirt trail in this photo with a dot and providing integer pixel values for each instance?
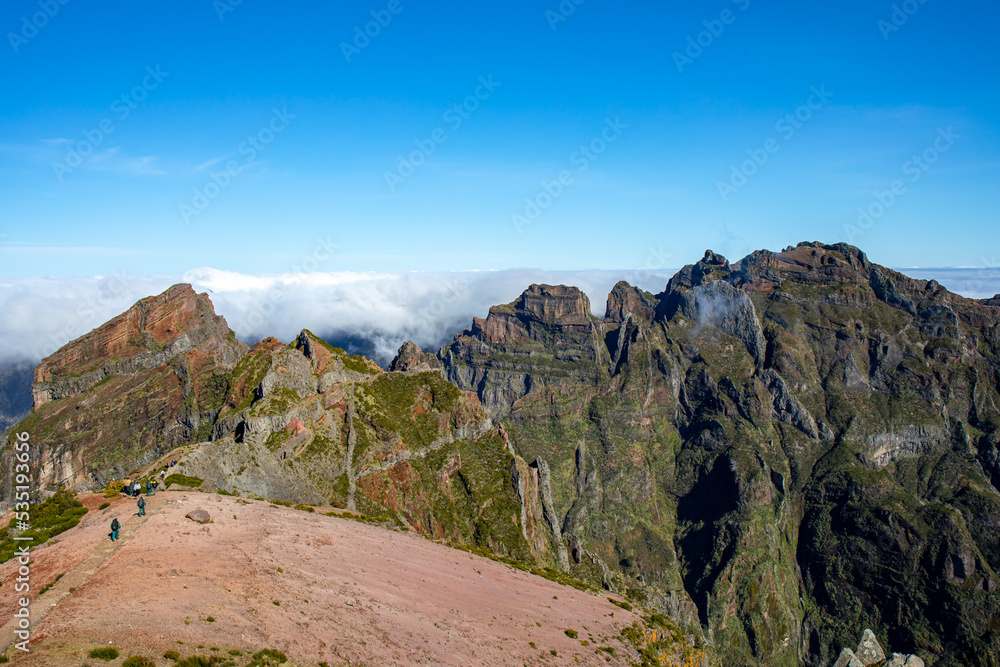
(74, 578)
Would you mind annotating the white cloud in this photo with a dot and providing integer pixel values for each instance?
(376, 312)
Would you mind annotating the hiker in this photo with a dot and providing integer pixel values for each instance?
(141, 503)
(115, 526)
(149, 487)
(136, 489)
(155, 484)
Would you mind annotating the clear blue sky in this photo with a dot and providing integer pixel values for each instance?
(677, 130)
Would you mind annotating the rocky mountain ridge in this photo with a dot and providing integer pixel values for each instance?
(775, 453)
(780, 450)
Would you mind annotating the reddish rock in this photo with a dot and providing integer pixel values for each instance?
(295, 427)
(143, 383)
(198, 516)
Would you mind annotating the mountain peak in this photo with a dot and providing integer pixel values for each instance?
(555, 304)
(151, 324)
(411, 359)
(626, 299)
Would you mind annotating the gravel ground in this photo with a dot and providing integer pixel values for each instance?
(318, 588)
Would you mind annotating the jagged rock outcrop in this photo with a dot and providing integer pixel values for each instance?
(307, 422)
(720, 305)
(847, 658)
(147, 335)
(146, 381)
(626, 301)
(411, 359)
(870, 652)
(547, 337)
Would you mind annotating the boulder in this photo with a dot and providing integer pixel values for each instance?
(848, 659)
(900, 660)
(199, 516)
(869, 650)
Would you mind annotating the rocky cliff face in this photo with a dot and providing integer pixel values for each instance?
(307, 422)
(144, 382)
(778, 451)
(545, 338)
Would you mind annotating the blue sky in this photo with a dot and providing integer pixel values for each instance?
(631, 156)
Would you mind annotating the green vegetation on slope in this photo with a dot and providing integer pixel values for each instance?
(57, 514)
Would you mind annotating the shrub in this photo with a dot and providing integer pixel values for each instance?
(205, 661)
(572, 634)
(138, 661)
(104, 506)
(59, 513)
(183, 480)
(172, 655)
(624, 605)
(268, 657)
(104, 653)
(50, 585)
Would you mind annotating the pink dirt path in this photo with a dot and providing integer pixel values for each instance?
(346, 592)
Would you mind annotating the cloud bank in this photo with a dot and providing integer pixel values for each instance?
(368, 313)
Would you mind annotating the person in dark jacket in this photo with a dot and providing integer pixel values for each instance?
(115, 527)
(142, 506)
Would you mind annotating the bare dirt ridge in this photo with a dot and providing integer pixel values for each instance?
(315, 587)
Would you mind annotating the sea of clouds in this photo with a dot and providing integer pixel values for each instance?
(368, 313)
